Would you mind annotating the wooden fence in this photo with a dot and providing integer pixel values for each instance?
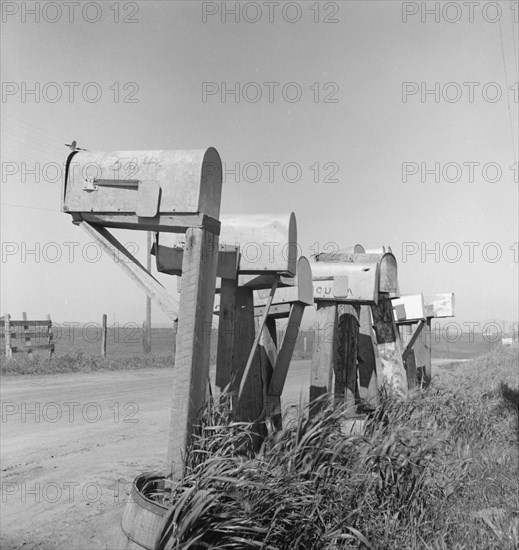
(26, 335)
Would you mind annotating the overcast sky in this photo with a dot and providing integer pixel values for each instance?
(368, 104)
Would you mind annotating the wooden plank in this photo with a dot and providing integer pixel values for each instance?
(29, 348)
(389, 347)
(7, 328)
(29, 323)
(268, 359)
(410, 367)
(170, 223)
(345, 388)
(367, 360)
(321, 374)
(134, 269)
(146, 340)
(40, 333)
(249, 407)
(276, 311)
(226, 333)
(286, 350)
(412, 339)
(191, 373)
(256, 340)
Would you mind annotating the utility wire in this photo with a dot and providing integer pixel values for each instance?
(507, 92)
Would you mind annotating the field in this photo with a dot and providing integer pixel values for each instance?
(78, 348)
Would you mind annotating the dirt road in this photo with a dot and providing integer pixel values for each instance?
(71, 446)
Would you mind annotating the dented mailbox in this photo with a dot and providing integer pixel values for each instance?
(148, 190)
(346, 282)
(267, 243)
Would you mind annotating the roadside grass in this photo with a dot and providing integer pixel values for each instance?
(20, 364)
(438, 471)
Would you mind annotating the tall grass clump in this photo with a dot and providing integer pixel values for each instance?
(436, 471)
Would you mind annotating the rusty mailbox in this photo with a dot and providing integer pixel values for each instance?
(150, 190)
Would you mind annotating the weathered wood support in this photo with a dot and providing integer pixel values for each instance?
(369, 362)
(133, 268)
(325, 345)
(346, 388)
(249, 406)
(389, 347)
(193, 343)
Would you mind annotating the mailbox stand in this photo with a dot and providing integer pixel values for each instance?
(413, 315)
(369, 298)
(258, 253)
(163, 191)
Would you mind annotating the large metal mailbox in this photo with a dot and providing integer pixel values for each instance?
(267, 243)
(149, 190)
(346, 282)
(388, 283)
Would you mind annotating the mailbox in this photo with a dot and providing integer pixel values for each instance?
(149, 190)
(267, 244)
(440, 305)
(388, 283)
(346, 282)
(409, 308)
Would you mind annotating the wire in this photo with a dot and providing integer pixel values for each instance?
(507, 92)
(513, 39)
(30, 207)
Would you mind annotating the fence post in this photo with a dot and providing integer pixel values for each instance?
(50, 336)
(27, 337)
(7, 332)
(103, 337)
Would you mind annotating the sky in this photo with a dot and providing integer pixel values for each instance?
(384, 124)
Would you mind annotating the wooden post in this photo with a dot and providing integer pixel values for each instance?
(268, 358)
(192, 356)
(321, 375)
(103, 336)
(389, 347)
(368, 383)
(413, 340)
(27, 336)
(346, 363)
(7, 332)
(410, 364)
(226, 330)
(147, 339)
(249, 406)
(428, 354)
(50, 337)
(174, 340)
